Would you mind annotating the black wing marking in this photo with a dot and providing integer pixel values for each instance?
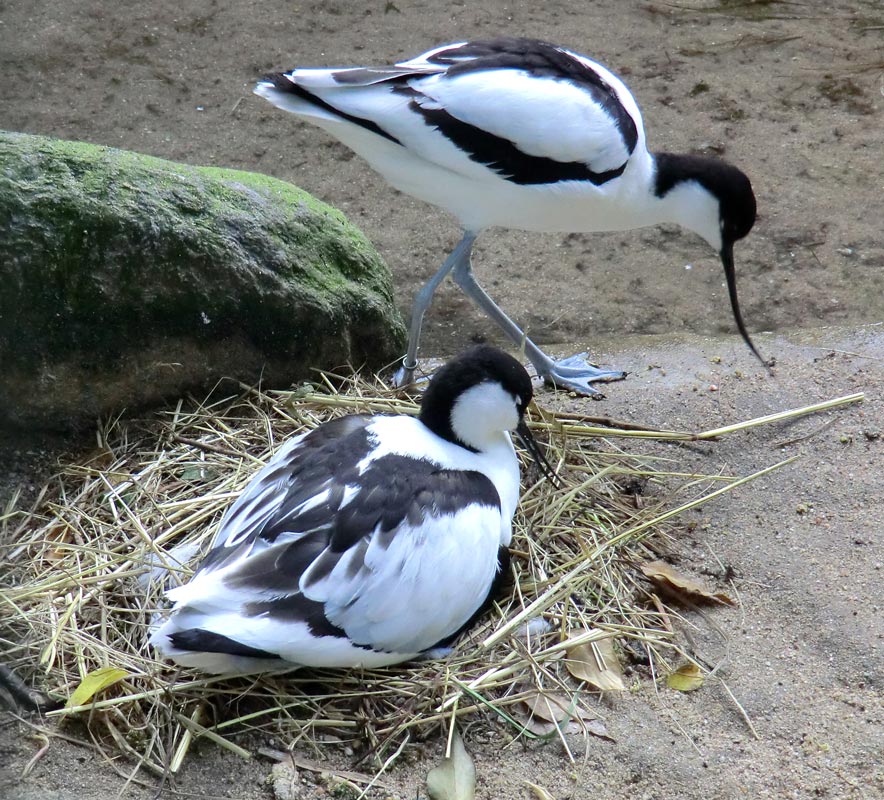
(283, 83)
(323, 460)
(393, 491)
(497, 153)
(369, 76)
(502, 156)
(544, 60)
(202, 641)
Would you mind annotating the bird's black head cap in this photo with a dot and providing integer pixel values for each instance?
(736, 211)
(731, 186)
(474, 366)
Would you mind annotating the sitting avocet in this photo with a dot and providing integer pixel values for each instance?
(367, 541)
(522, 134)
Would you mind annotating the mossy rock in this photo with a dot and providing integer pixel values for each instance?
(126, 280)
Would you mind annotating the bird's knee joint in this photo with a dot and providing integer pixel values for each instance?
(424, 296)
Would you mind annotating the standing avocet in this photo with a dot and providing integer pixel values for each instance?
(522, 134)
(368, 540)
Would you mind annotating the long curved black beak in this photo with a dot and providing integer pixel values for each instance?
(530, 444)
(727, 261)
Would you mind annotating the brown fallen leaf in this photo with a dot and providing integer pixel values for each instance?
(595, 727)
(551, 707)
(595, 662)
(100, 458)
(678, 584)
(295, 763)
(686, 678)
(455, 777)
(543, 712)
(661, 610)
(60, 535)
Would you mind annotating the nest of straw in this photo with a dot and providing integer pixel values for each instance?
(85, 585)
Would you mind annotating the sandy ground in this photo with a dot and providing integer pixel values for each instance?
(789, 91)
(802, 653)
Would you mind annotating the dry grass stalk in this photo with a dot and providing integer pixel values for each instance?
(82, 597)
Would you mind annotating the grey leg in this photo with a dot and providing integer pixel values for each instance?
(573, 374)
(405, 374)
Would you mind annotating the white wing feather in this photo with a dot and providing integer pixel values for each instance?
(423, 575)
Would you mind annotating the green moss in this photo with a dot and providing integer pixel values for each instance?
(102, 250)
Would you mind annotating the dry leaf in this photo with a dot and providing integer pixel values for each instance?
(595, 662)
(60, 535)
(94, 682)
(597, 728)
(686, 678)
(667, 577)
(550, 707)
(539, 792)
(100, 458)
(455, 777)
(545, 711)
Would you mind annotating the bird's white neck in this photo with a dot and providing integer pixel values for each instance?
(686, 203)
(692, 207)
(482, 414)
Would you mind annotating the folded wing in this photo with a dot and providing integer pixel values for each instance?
(392, 554)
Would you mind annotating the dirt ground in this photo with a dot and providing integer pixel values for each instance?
(789, 91)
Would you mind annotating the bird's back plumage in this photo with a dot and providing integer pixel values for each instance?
(506, 131)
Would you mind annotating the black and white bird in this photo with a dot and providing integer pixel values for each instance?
(522, 134)
(369, 540)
